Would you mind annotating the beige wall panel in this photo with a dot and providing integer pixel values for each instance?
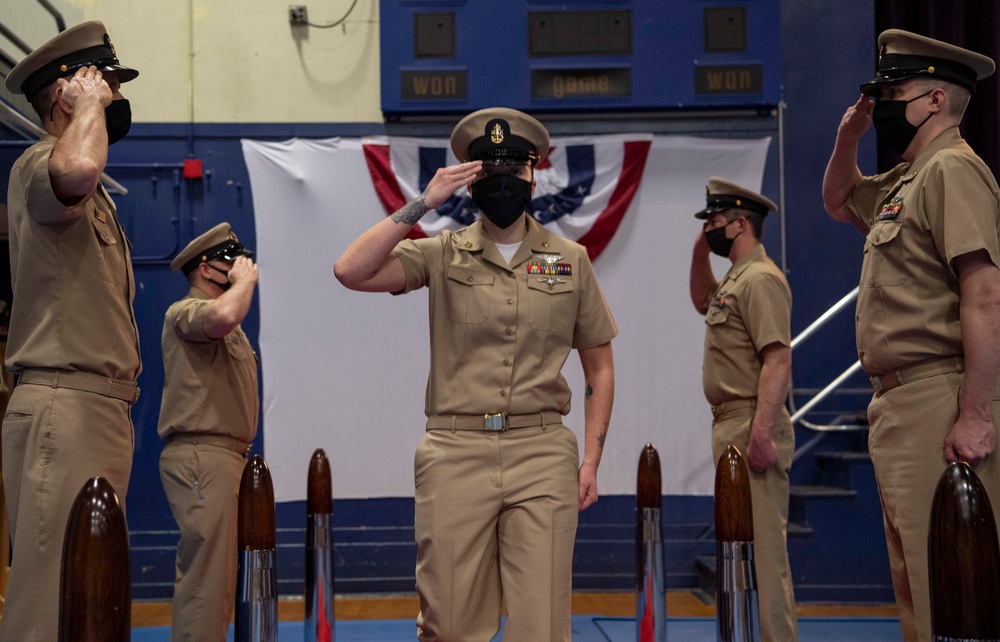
(244, 60)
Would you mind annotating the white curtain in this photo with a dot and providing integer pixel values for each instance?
(346, 371)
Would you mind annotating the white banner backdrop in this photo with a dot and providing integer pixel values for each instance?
(346, 371)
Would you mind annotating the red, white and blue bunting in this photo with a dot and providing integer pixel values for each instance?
(584, 185)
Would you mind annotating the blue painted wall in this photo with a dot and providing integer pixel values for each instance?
(828, 51)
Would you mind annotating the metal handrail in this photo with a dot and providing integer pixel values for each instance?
(60, 23)
(12, 37)
(824, 318)
(825, 392)
(797, 415)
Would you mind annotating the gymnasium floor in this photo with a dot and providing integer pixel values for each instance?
(599, 617)
(587, 628)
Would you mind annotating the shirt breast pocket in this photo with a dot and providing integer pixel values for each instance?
(550, 303)
(884, 248)
(716, 316)
(469, 293)
(236, 348)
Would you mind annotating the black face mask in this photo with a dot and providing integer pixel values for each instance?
(225, 286)
(717, 241)
(118, 120)
(894, 131)
(502, 198)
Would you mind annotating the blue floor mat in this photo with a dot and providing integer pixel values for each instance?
(587, 628)
(616, 629)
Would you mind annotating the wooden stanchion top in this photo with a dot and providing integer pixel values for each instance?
(256, 529)
(963, 558)
(319, 492)
(648, 485)
(733, 505)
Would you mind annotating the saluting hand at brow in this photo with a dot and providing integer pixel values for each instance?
(857, 119)
(86, 84)
(448, 179)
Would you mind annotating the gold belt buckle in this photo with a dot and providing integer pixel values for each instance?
(876, 384)
(495, 422)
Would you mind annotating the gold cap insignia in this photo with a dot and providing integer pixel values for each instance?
(107, 41)
(496, 134)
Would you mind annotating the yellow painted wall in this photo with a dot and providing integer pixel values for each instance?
(229, 61)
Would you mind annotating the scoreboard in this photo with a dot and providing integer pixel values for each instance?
(450, 56)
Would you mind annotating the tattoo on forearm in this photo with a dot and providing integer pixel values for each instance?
(601, 437)
(412, 211)
(589, 392)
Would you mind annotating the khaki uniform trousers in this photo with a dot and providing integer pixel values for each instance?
(202, 484)
(908, 427)
(496, 516)
(769, 493)
(54, 440)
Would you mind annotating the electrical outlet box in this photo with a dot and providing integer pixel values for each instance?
(297, 14)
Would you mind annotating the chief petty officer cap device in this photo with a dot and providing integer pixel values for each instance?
(499, 135)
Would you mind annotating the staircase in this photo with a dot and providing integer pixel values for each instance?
(836, 544)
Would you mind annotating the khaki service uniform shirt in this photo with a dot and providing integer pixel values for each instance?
(71, 273)
(920, 217)
(500, 334)
(210, 384)
(750, 309)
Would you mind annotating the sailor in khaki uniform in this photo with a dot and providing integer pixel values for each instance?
(497, 483)
(928, 314)
(73, 342)
(747, 367)
(208, 418)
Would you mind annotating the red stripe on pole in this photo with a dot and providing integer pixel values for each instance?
(646, 628)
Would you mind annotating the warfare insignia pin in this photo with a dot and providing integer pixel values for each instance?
(552, 281)
(891, 209)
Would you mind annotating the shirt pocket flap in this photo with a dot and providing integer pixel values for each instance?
(716, 315)
(103, 232)
(884, 232)
(468, 276)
